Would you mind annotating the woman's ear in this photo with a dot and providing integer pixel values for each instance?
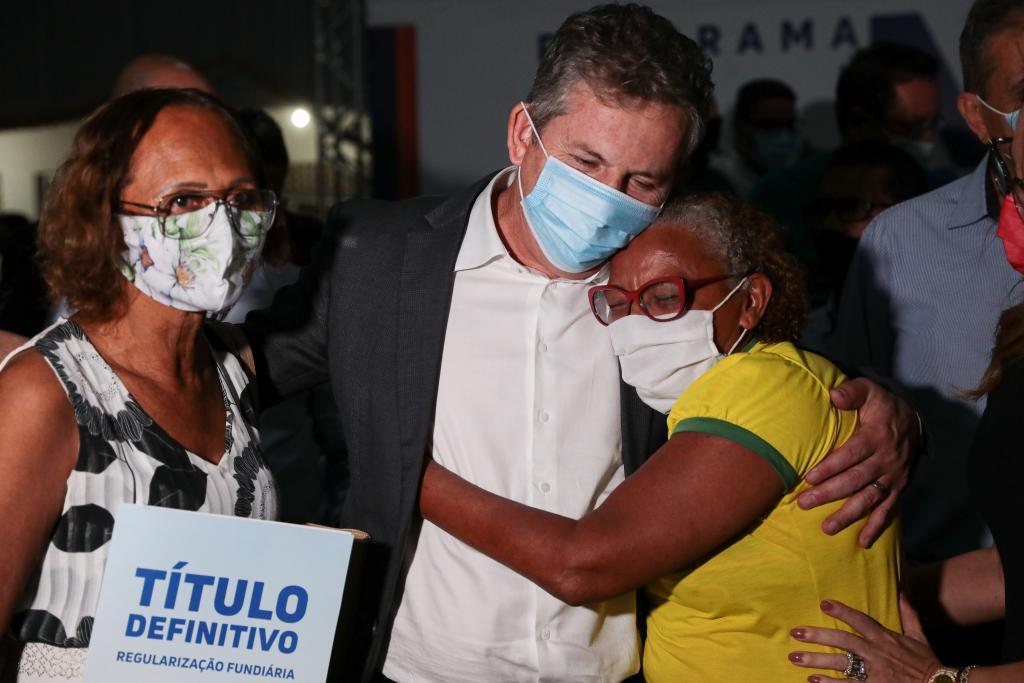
(519, 135)
(759, 293)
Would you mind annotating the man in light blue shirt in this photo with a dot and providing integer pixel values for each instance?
(926, 289)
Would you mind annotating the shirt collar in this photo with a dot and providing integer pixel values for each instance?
(483, 245)
(972, 204)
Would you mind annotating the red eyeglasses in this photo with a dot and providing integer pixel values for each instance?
(662, 299)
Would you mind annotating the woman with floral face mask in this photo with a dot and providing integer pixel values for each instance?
(702, 309)
(151, 224)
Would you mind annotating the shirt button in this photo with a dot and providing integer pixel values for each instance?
(545, 487)
(543, 347)
(544, 417)
(545, 634)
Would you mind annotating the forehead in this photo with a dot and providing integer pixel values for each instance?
(188, 140)
(664, 249)
(918, 97)
(1005, 62)
(626, 131)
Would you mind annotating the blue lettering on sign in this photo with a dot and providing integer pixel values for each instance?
(231, 598)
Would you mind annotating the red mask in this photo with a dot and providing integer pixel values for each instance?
(1011, 231)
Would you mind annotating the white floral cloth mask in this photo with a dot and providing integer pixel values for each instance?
(198, 261)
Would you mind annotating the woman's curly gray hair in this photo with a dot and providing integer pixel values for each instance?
(747, 241)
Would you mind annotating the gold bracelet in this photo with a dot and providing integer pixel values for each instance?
(966, 673)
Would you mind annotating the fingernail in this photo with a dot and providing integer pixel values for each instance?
(814, 679)
(798, 633)
(826, 605)
(841, 390)
(796, 657)
(831, 527)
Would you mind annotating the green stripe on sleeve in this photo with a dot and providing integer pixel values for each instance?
(745, 438)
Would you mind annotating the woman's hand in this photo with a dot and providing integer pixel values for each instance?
(889, 657)
(872, 467)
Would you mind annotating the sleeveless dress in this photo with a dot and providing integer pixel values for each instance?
(124, 456)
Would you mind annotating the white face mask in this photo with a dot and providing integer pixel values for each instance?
(202, 263)
(662, 359)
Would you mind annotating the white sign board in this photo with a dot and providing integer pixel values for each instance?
(189, 596)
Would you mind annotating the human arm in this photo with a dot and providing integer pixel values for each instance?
(883, 449)
(696, 492)
(889, 657)
(964, 590)
(38, 448)
(888, 436)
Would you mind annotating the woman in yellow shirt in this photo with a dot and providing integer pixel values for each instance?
(702, 310)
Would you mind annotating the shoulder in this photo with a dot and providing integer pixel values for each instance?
(36, 410)
(760, 383)
(354, 214)
(782, 359)
(773, 400)
(931, 212)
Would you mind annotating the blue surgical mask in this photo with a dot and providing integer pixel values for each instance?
(920, 150)
(579, 222)
(776, 148)
(1010, 118)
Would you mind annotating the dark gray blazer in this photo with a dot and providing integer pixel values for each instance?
(369, 316)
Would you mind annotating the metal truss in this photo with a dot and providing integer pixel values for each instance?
(344, 161)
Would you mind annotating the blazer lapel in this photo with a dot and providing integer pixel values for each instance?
(643, 429)
(426, 284)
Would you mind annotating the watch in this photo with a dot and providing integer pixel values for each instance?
(944, 675)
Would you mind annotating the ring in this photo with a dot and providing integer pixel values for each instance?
(855, 667)
(882, 488)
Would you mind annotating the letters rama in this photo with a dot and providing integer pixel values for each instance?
(237, 598)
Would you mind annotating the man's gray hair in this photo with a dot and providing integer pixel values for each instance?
(624, 52)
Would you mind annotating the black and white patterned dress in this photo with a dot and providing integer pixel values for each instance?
(124, 456)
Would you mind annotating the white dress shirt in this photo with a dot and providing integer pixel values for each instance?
(528, 408)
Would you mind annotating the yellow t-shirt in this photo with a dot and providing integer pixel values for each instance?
(728, 618)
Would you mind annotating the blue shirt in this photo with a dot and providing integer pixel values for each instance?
(920, 306)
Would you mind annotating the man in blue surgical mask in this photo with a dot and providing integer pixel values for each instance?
(458, 328)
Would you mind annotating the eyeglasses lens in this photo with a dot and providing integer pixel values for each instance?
(663, 300)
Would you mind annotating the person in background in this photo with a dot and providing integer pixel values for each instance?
(862, 180)
(926, 289)
(702, 310)
(886, 92)
(158, 71)
(982, 585)
(765, 136)
(459, 325)
(132, 399)
(296, 435)
(696, 174)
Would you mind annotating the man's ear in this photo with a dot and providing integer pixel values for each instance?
(758, 294)
(969, 107)
(520, 134)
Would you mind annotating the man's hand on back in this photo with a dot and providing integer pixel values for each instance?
(872, 467)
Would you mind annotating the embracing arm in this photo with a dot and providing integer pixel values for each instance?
(695, 493)
(38, 447)
(882, 450)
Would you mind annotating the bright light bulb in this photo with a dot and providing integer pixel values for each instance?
(300, 118)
